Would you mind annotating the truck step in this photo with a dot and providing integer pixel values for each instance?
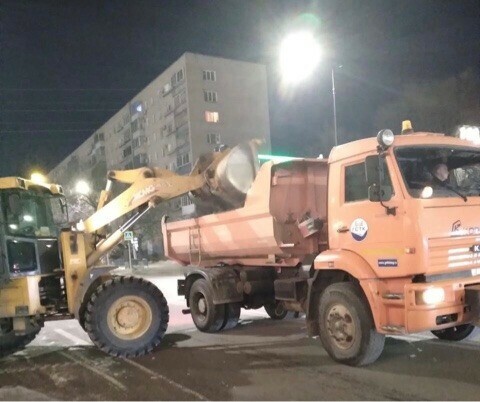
(393, 296)
(186, 311)
(394, 329)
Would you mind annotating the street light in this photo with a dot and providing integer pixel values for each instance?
(82, 187)
(299, 56)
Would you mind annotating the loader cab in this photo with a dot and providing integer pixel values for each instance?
(29, 219)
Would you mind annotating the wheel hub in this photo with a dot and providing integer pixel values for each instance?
(202, 305)
(341, 326)
(129, 317)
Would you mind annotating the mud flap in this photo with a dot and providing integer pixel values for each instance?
(472, 302)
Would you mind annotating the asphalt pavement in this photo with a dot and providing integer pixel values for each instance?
(261, 359)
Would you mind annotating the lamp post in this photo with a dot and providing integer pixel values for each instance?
(334, 108)
(299, 56)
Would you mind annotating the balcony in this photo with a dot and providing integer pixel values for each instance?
(185, 169)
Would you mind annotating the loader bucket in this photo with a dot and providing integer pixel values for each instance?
(231, 179)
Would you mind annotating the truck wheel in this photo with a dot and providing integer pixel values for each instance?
(11, 343)
(232, 315)
(347, 330)
(126, 317)
(457, 333)
(276, 310)
(207, 316)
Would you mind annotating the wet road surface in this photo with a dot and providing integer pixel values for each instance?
(261, 359)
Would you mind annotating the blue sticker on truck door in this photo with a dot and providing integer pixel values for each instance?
(359, 229)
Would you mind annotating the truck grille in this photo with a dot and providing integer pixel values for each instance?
(453, 253)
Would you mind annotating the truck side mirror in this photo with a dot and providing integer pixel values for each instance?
(379, 189)
(377, 193)
(372, 170)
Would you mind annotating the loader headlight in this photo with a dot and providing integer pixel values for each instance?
(433, 296)
(385, 138)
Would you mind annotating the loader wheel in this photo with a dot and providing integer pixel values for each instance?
(276, 310)
(207, 316)
(126, 317)
(457, 333)
(347, 330)
(11, 343)
(232, 315)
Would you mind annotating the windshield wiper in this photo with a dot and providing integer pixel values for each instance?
(464, 197)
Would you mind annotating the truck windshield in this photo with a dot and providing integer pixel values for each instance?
(28, 213)
(440, 171)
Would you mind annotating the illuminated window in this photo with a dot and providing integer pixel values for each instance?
(211, 117)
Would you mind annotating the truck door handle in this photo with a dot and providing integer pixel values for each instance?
(343, 229)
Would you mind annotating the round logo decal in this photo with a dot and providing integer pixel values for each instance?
(359, 229)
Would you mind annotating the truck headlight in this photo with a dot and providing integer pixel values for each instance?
(385, 138)
(433, 295)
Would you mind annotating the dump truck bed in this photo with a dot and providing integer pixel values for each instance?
(282, 221)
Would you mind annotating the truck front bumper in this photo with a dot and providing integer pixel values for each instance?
(460, 304)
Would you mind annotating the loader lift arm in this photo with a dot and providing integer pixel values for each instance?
(148, 188)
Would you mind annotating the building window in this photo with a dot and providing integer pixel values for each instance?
(127, 151)
(211, 117)
(180, 99)
(177, 77)
(183, 159)
(210, 96)
(209, 75)
(185, 200)
(213, 138)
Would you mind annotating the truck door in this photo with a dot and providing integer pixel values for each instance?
(363, 226)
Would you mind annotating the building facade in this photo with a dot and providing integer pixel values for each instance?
(196, 104)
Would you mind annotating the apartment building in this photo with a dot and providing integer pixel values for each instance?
(196, 104)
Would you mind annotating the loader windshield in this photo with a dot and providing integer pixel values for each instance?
(28, 213)
(440, 171)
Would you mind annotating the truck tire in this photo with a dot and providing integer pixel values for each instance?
(455, 334)
(232, 315)
(126, 317)
(207, 316)
(11, 343)
(276, 310)
(347, 330)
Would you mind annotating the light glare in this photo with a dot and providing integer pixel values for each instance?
(470, 133)
(38, 178)
(82, 187)
(299, 56)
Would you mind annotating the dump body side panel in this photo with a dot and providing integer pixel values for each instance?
(265, 231)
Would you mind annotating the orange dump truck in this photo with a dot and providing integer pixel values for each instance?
(371, 242)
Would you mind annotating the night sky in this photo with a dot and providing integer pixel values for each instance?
(68, 66)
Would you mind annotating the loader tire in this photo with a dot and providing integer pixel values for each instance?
(232, 315)
(207, 316)
(347, 330)
(11, 343)
(458, 333)
(126, 317)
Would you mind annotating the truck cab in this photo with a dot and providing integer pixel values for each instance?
(409, 237)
